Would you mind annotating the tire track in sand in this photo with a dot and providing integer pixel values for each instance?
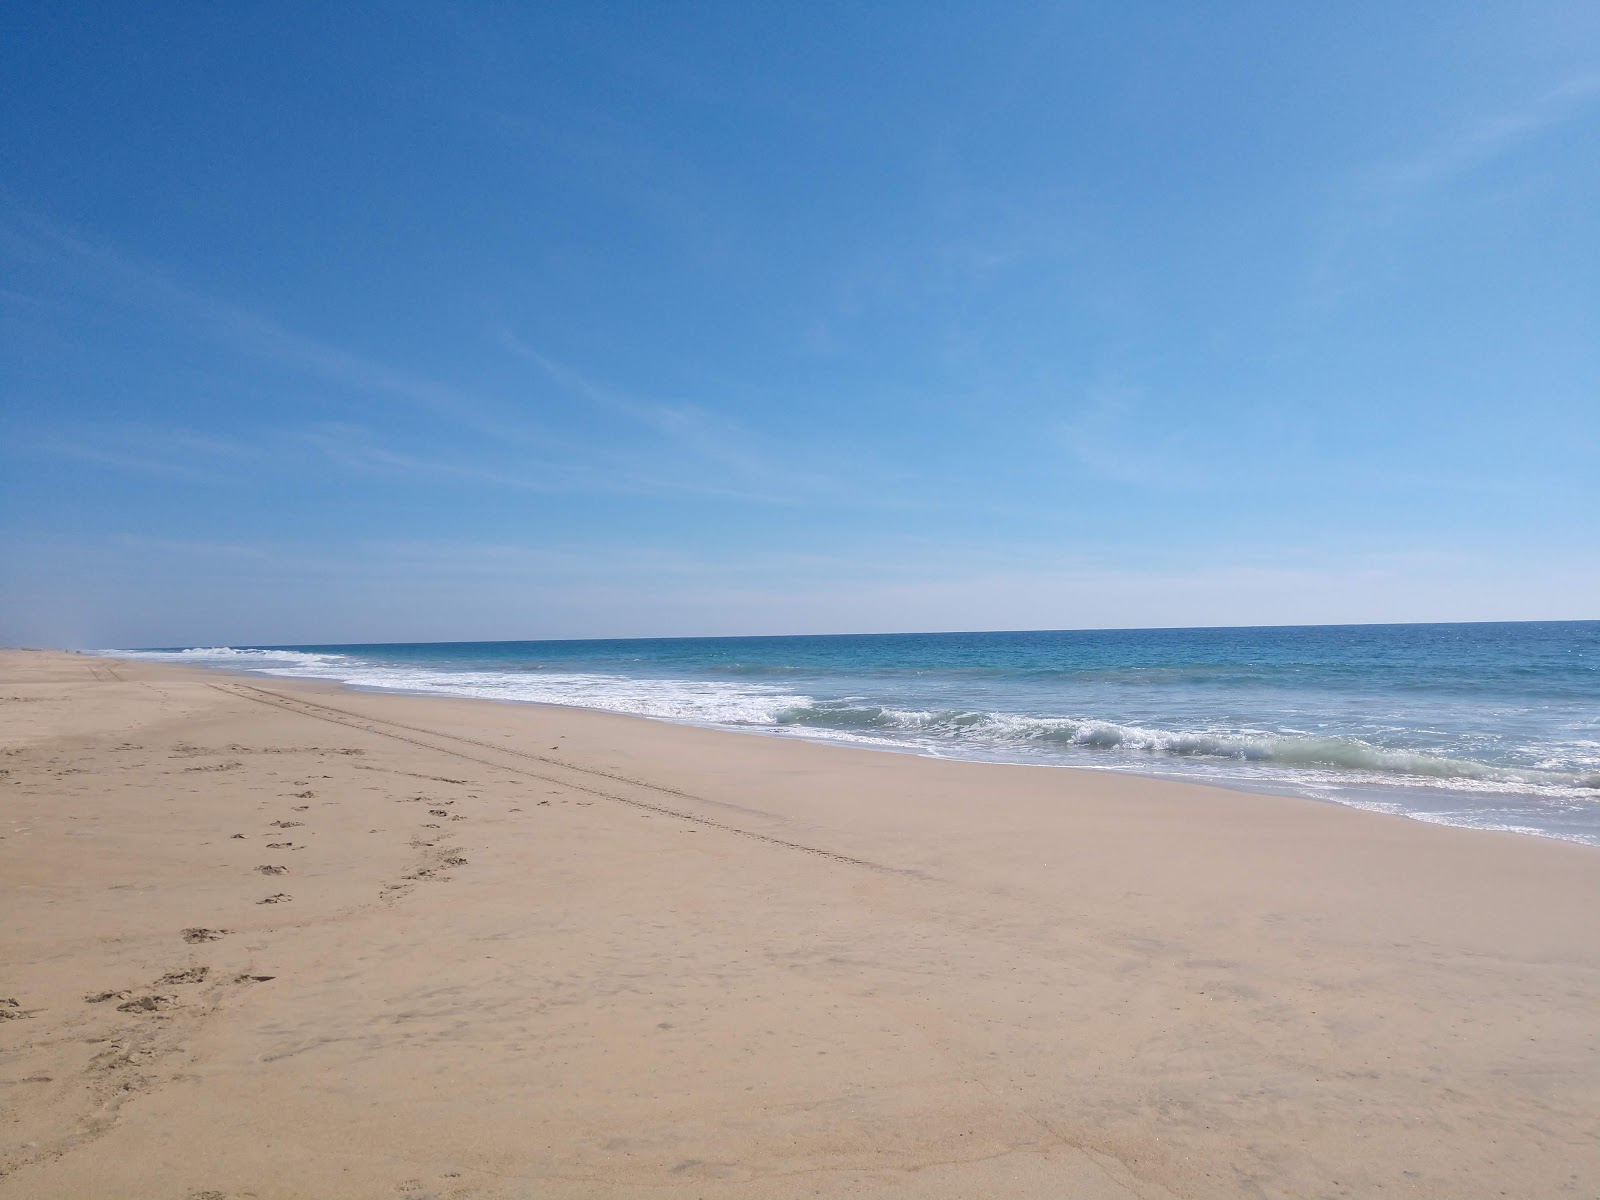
(399, 731)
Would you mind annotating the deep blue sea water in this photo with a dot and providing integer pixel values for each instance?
(1486, 725)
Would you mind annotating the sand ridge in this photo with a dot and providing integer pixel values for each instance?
(277, 940)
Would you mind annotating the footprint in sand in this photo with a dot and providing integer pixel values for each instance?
(204, 935)
(146, 1004)
(277, 898)
(301, 807)
(286, 824)
(10, 1010)
(187, 975)
(253, 978)
(271, 870)
(102, 997)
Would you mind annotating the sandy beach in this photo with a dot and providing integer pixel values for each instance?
(273, 939)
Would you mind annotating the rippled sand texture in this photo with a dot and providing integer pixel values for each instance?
(271, 939)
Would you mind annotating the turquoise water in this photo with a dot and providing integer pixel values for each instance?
(1485, 725)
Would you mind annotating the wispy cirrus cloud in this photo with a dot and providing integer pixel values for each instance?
(1382, 200)
(674, 448)
(746, 463)
(188, 547)
(360, 449)
(112, 275)
(175, 453)
(1112, 436)
(1482, 140)
(124, 461)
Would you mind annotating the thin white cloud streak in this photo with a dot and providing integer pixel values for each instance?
(1380, 201)
(148, 290)
(1485, 139)
(1109, 439)
(123, 461)
(762, 469)
(711, 445)
(151, 291)
(175, 453)
(354, 448)
(194, 549)
(626, 562)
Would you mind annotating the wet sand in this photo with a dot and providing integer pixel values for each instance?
(274, 939)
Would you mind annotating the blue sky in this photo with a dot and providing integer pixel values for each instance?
(432, 321)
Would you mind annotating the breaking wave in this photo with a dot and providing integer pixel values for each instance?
(1088, 734)
(240, 658)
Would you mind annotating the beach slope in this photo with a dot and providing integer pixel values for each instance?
(275, 939)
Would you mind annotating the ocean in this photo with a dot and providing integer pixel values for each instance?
(1491, 726)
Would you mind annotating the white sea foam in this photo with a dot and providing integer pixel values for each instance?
(712, 702)
(235, 658)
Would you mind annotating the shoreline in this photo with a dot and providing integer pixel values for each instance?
(518, 949)
(1378, 799)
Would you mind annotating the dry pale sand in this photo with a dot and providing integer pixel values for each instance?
(530, 952)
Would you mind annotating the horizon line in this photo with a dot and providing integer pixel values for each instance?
(248, 645)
